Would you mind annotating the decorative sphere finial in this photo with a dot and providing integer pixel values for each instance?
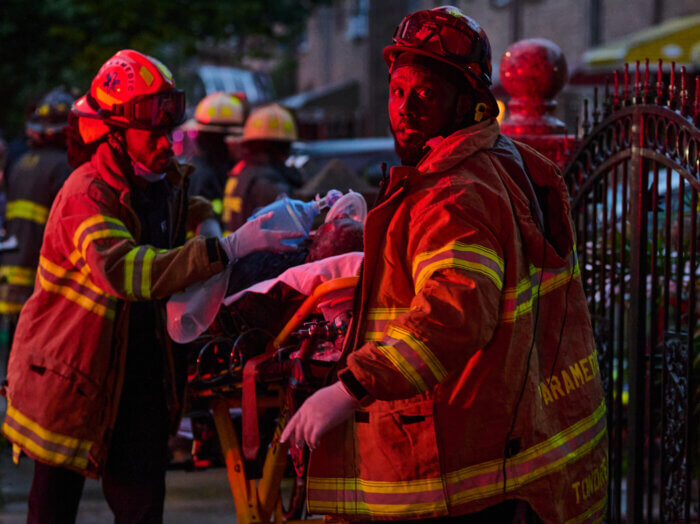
(533, 71)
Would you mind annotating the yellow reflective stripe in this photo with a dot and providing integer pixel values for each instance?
(516, 482)
(403, 366)
(529, 454)
(456, 263)
(373, 486)
(10, 308)
(104, 310)
(146, 273)
(364, 508)
(75, 258)
(96, 220)
(423, 351)
(459, 246)
(28, 210)
(104, 233)
(425, 272)
(598, 506)
(50, 456)
(535, 451)
(379, 313)
(129, 272)
(19, 275)
(83, 226)
(75, 276)
(526, 286)
(76, 297)
(45, 434)
(233, 204)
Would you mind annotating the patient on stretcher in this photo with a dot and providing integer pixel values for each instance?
(264, 288)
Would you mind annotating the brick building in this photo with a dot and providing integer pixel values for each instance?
(344, 41)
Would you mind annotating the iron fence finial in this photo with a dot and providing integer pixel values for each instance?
(659, 100)
(586, 125)
(672, 87)
(607, 99)
(637, 84)
(596, 108)
(696, 105)
(646, 98)
(685, 109)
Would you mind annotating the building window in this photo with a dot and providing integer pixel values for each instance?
(358, 21)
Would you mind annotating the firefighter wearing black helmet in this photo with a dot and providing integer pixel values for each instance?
(32, 183)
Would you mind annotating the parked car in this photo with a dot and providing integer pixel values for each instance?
(363, 156)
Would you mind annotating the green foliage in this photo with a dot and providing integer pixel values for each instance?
(46, 43)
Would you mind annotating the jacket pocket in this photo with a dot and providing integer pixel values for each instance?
(84, 386)
(58, 397)
(399, 459)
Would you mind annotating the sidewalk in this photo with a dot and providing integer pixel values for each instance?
(201, 497)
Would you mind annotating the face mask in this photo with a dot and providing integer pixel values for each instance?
(141, 171)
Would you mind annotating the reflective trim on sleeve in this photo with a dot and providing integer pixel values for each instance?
(412, 358)
(469, 257)
(10, 308)
(27, 210)
(18, 275)
(519, 300)
(76, 287)
(138, 266)
(377, 319)
(96, 227)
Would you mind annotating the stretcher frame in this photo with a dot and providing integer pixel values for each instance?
(259, 501)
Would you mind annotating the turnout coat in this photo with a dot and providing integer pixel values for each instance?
(473, 340)
(68, 357)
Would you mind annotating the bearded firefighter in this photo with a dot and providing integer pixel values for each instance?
(469, 389)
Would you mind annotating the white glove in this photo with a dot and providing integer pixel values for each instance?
(252, 237)
(321, 412)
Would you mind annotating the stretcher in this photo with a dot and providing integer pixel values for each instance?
(292, 365)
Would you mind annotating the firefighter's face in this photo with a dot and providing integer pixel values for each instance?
(421, 106)
(152, 148)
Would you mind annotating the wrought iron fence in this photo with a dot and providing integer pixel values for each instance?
(634, 184)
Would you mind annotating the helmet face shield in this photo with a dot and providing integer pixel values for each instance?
(163, 110)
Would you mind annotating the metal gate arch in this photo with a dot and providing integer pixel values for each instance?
(634, 186)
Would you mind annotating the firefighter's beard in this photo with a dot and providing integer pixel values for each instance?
(409, 148)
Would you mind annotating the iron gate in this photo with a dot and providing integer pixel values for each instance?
(634, 184)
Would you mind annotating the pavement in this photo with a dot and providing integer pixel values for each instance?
(201, 497)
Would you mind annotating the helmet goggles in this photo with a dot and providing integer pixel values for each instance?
(163, 110)
(439, 33)
(153, 111)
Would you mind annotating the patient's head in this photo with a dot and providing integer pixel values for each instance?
(336, 237)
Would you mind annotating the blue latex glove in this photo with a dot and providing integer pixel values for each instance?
(251, 236)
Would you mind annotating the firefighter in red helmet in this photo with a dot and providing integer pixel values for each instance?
(469, 388)
(93, 387)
